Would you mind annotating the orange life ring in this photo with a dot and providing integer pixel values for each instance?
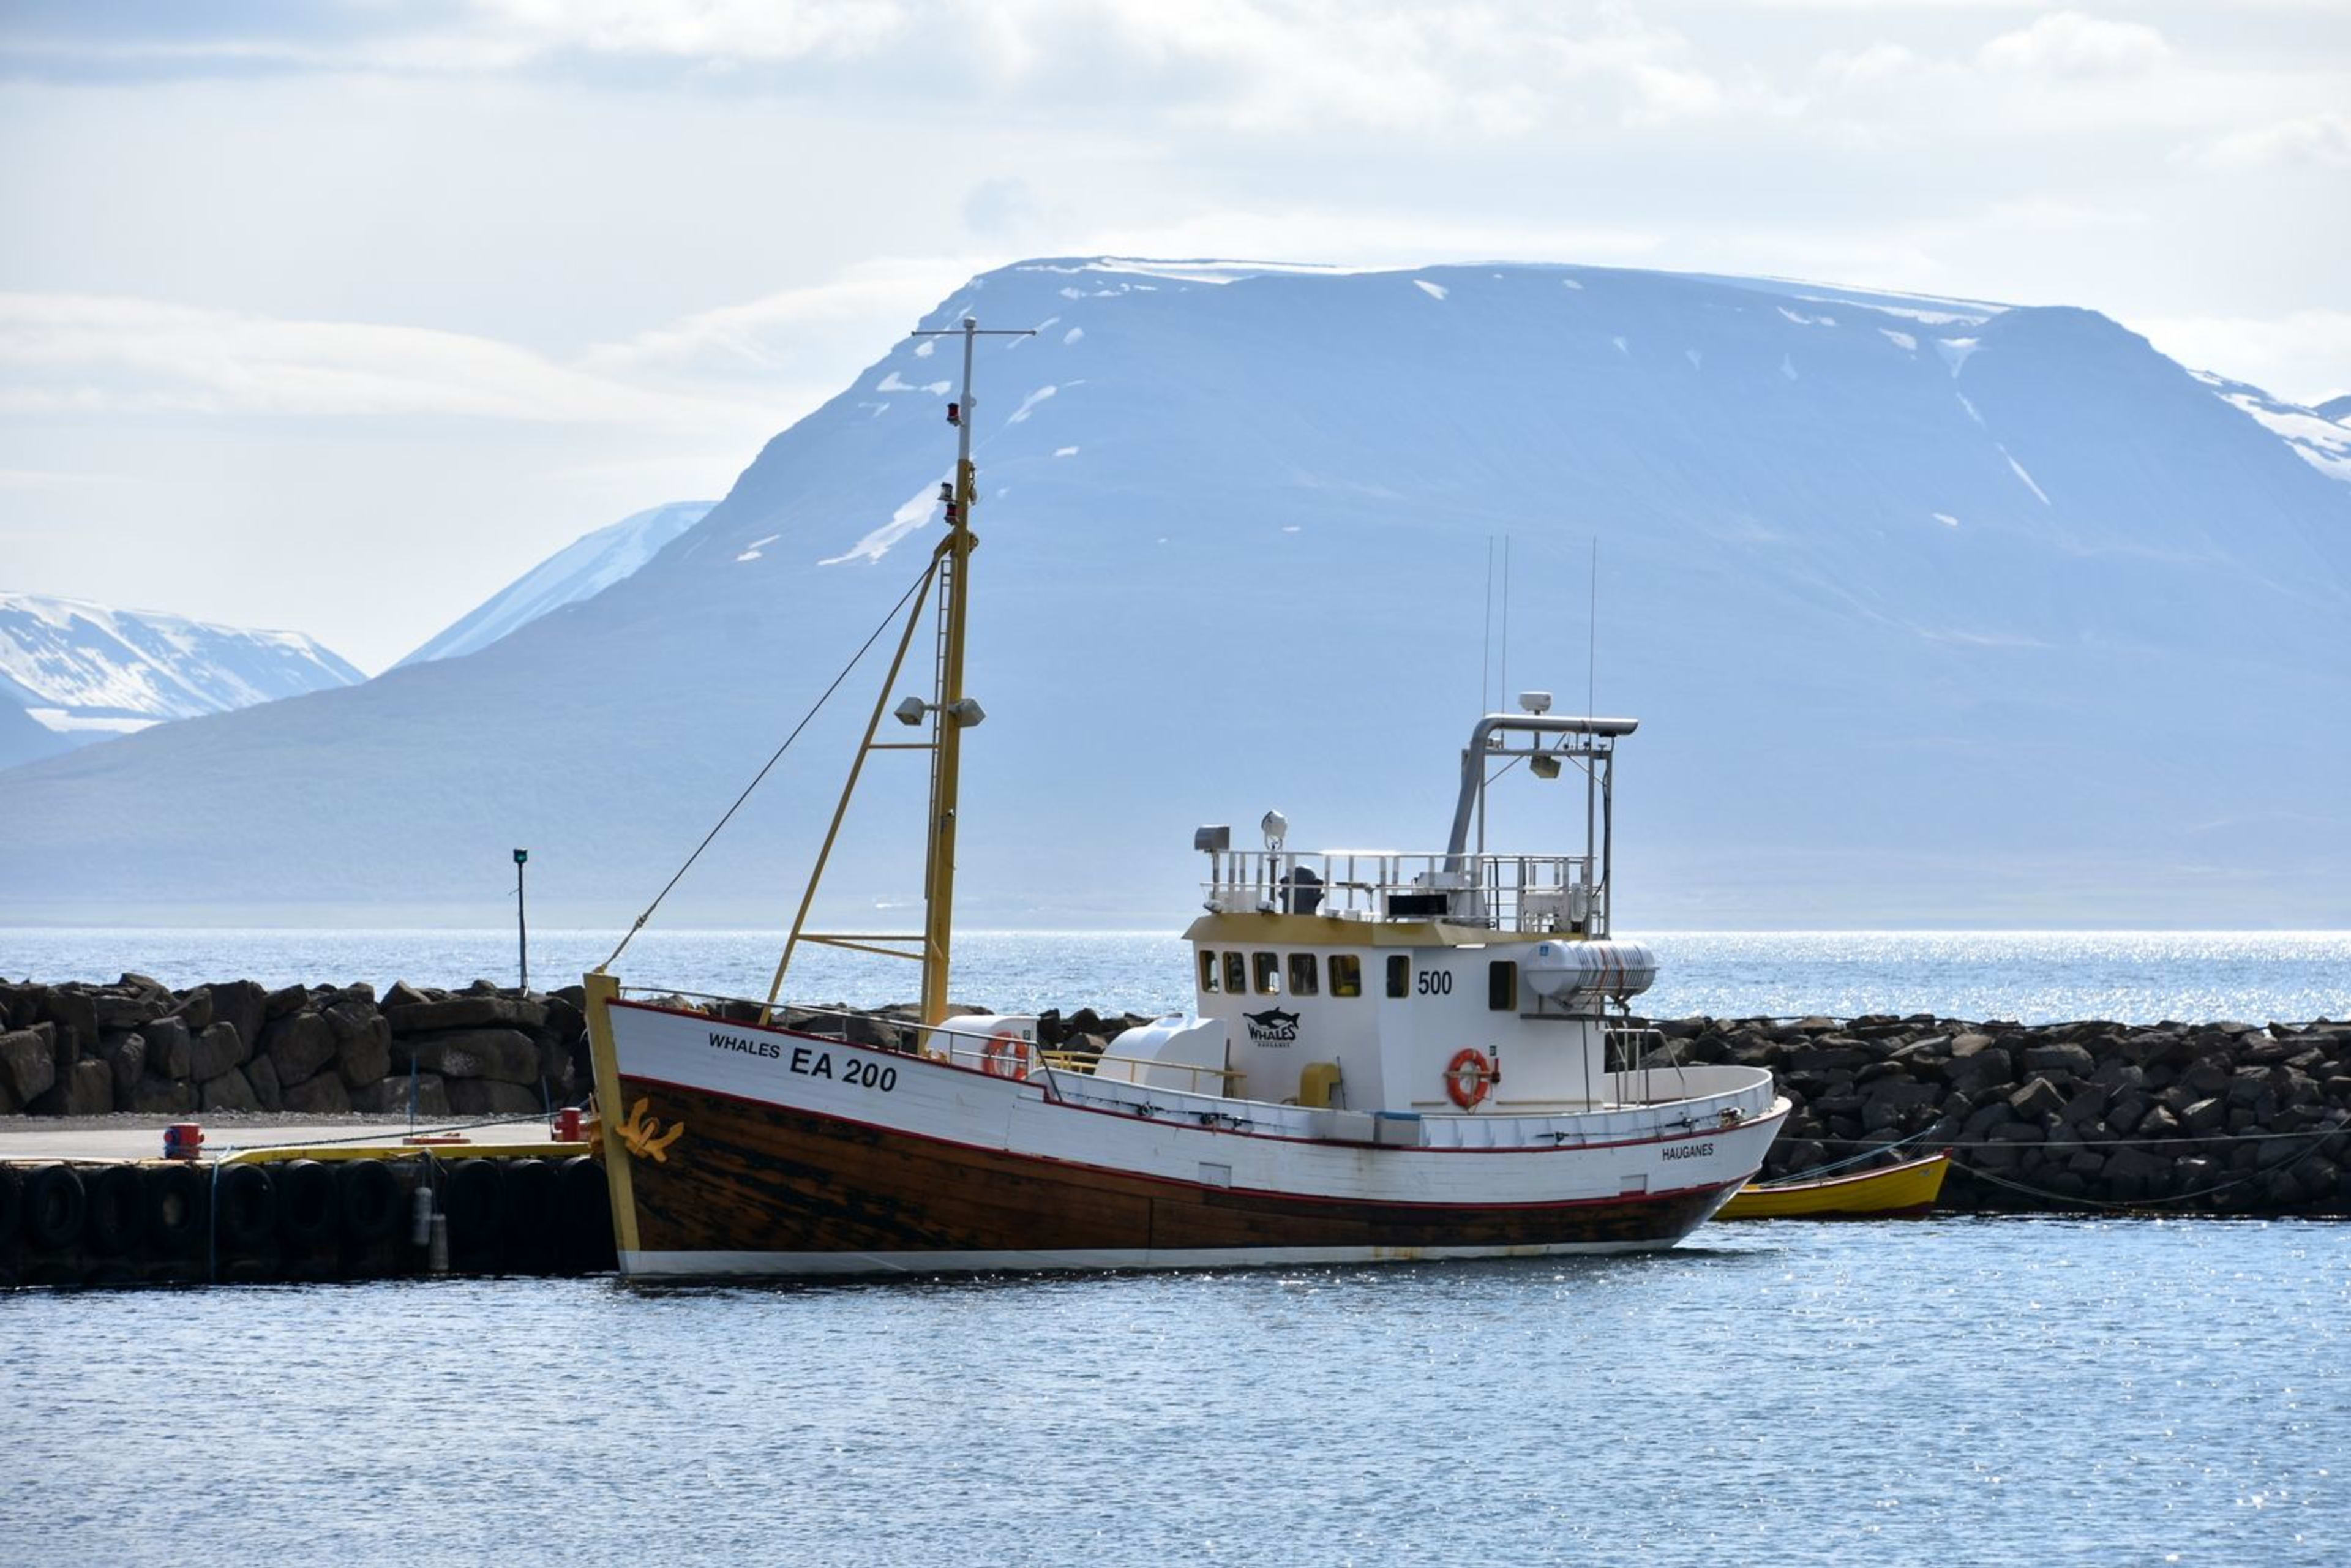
(1006, 1055)
(1469, 1077)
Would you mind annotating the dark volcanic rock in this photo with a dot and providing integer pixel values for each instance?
(502, 1054)
(228, 1092)
(319, 1095)
(471, 1012)
(363, 1057)
(298, 1044)
(216, 1050)
(28, 1061)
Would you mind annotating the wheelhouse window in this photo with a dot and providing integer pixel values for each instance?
(1237, 974)
(1304, 977)
(1269, 973)
(1346, 975)
(1400, 976)
(1208, 970)
(1503, 985)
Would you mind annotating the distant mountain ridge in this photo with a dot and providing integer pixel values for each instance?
(581, 570)
(80, 672)
(1934, 614)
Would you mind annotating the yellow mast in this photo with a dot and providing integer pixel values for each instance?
(950, 713)
(953, 711)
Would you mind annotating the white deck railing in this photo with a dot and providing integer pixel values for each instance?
(1503, 892)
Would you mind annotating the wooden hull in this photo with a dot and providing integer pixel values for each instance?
(1895, 1192)
(790, 1158)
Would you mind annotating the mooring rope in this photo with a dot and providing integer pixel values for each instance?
(2132, 1205)
(886, 623)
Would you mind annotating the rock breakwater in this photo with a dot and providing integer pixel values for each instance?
(138, 1045)
(2216, 1118)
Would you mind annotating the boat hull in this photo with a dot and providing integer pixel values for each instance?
(789, 1157)
(1905, 1191)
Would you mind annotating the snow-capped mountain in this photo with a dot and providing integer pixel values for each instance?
(2316, 436)
(2337, 408)
(1933, 611)
(581, 570)
(80, 672)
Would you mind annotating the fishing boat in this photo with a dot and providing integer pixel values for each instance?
(1391, 1056)
(1903, 1191)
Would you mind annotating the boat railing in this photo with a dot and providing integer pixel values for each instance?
(1013, 1057)
(1535, 893)
(1631, 1053)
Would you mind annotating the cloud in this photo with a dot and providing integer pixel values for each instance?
(108, 353)
(2320, 140)
(2069, 44)
(1874, 66)
(819, 333)
(1502, 69)
(2298, 356)
(713, 30)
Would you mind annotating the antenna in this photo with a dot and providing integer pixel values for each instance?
(1502, 685)
(1592, 649)
(1486, 649)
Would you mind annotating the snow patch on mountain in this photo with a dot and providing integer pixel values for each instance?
(581, 570)
(2318, 438)
(917, 511)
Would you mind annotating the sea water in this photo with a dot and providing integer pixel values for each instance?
(2029, 977)
(1963, 1390)
(1959, 1391)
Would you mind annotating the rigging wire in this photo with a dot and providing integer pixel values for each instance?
(886, 623)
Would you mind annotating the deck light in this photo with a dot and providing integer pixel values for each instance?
(1276, 828)
(1543, 765)
(910, 712)
(954, 413)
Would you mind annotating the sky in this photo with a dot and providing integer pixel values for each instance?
(337, 317)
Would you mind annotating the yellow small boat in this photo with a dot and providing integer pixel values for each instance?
(1891, 1192)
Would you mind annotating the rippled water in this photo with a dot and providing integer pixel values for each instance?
(2031, 977)
(1947, 1391)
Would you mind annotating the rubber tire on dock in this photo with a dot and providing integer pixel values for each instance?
(370, 1198)
(114, 1211)
(54, 1206)
(245, 1208)
(586, 1204)
(531, 1218)
(470, 1194)
(176, 1208)
(308, 1212)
